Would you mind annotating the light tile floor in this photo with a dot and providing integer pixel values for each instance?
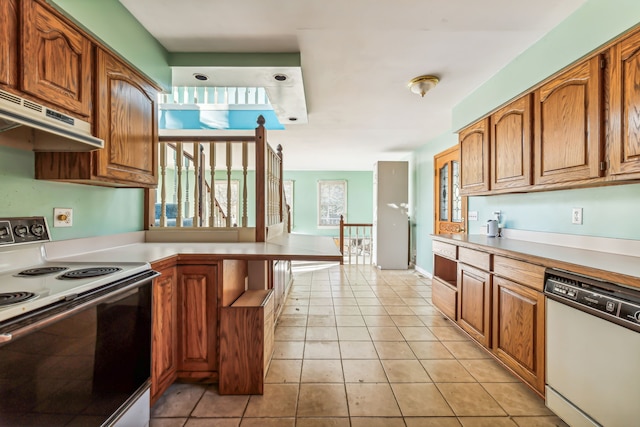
(356, 346)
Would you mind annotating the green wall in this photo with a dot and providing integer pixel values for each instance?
(422, 197)
(305, 199)
(111, 22)
(608, 211)
(97, 210)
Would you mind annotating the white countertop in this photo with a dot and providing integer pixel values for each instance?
(557, 256)
(291, 247)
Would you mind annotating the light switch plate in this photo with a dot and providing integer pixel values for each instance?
(473, 215)
(576, 216)
(62, 217)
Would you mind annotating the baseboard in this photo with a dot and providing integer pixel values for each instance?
(424, 272)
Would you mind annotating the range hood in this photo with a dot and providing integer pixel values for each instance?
(50, 129)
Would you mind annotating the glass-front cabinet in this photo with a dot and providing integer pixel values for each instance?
(450, 206)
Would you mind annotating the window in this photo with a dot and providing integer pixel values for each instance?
(288, 194)
(332, 202)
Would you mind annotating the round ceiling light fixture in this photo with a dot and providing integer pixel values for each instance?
(280, 77)
(201, 77)
(423, 84)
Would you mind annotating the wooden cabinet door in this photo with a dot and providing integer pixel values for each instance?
(511, 140)
(474, 302)
(164, 350)
(624, 98)
(518, 330)
(127, 121)
(246, 342)
(56, 60)
(9, 43)
(450, 206)
(474, 158)
(568, 131)
(198, 320)
(444, 297)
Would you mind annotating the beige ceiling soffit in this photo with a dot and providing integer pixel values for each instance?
(188, 59)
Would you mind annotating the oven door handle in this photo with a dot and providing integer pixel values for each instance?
(80, 304)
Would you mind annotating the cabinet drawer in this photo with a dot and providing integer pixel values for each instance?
(445, 249)
(475, 258)
(526, 274)
(444, 297)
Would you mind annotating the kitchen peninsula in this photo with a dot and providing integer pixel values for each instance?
(200, 286)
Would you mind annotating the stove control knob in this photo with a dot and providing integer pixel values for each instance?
(37, 230)
(4, 231)
(21, 230)
(637, 316)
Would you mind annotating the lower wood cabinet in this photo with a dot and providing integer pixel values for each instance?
(198, 320)
(246, 342)
(445, 298)
(518, 330)
(474, 302)
(444, 290)
(164, 345)
(164, 342)
(499, 302)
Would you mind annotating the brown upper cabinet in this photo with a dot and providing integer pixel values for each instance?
(126, 119)
(568, 130)
(474, 158)
(56, 60)
(9, 43)
(624, 100)
(511, 139)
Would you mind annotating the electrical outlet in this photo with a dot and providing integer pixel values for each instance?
(62, 217)
(576, 216)
(473, 215)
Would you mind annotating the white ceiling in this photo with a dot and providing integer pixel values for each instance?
(357, 57)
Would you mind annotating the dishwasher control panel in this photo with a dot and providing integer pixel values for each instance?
(607, 300)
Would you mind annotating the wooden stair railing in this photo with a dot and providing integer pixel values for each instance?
(358, 244)
(224, 153)
(202, 191)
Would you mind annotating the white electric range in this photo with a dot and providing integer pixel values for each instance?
(28, 281)
(59, 320)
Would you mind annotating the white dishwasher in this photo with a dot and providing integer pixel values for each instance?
(593, 351)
